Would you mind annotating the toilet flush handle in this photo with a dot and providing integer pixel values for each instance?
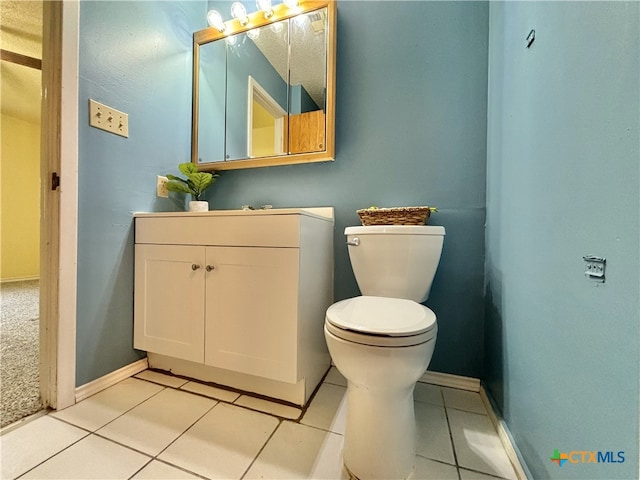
(353, 242)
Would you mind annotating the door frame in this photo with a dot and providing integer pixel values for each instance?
(58, 217)
(258, 93)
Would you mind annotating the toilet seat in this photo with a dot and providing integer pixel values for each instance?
(381, 321)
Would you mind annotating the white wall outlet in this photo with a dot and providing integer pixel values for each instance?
(109, 119)
(161, 187)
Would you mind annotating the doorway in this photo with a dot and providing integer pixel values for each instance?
(58, 206)
(21, 30)
(265, 123)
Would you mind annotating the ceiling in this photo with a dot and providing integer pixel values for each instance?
(21, 32)
(307, 64)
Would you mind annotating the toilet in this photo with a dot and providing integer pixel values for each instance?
(382, 343)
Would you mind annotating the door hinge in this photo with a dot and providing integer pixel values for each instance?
(55, 181)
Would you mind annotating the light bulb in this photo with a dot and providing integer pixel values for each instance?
(265, 6)
(239, 13)
(215, 20)
(231, 40)
(301, 20)
(277, 27)
(290, 3)
(254, 33)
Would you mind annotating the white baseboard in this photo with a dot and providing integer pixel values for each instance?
(505, 437)
(19, 279)
(452, 381)
(110, 379)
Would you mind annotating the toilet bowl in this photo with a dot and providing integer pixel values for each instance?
(382, 343)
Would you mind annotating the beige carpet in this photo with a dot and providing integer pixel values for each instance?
(19, 351)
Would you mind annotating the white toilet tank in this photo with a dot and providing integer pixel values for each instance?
(396, 261)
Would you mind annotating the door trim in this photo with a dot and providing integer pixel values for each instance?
(58, 224)
(259, 94)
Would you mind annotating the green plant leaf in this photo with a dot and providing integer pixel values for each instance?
(177, 186)
(173, 177)
(200, 181)
(188, 168)
(195, 183)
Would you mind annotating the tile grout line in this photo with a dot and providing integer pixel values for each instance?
(280, 422)
(140, 469)
(261, 449)
(127, 411)
(110, 421)
(155, 457)
(320, 428)
(468, 411)
(66, 422)
(233, 402)
(185, 431)
(458, 466)
(467, 469)
(183, 469)
(436, 460)
(54, 455)
(129, 447)
(453, 446)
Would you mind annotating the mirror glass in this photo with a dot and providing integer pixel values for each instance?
(257, 96)
(212, 83)
(307, 78)
(265, 95)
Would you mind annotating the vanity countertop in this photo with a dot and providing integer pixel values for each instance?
(324, 213)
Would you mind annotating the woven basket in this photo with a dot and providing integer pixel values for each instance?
(394, 216)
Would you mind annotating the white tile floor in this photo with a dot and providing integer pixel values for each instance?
(161, 427)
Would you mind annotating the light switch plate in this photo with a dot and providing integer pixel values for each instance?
(108, 119)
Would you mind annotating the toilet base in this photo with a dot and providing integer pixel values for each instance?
(380, 434)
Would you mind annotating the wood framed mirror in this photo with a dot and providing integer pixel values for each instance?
(264, 92)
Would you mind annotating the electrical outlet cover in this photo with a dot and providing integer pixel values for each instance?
(161, 187)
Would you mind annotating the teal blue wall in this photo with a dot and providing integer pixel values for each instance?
(301, 101)
(410, 130)
(410, 126)
(560, 162)
(135, 57)
(563, 159)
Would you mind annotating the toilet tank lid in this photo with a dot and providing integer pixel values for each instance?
(396, 229)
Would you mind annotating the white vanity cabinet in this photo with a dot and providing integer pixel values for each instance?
(236, 298)
(169, 300)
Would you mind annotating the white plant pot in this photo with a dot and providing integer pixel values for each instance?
(198, 206)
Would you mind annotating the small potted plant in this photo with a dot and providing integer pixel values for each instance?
(195, 184)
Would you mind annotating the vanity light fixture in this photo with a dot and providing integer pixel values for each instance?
(277, 27)
(231, 40)
(291, 3)
(239, 13)
(215, 20)
(265, 7)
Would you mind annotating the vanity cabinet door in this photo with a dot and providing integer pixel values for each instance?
(169, 300)
(251, 311)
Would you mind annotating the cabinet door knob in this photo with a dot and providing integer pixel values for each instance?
(210, 267)
(194, 266)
